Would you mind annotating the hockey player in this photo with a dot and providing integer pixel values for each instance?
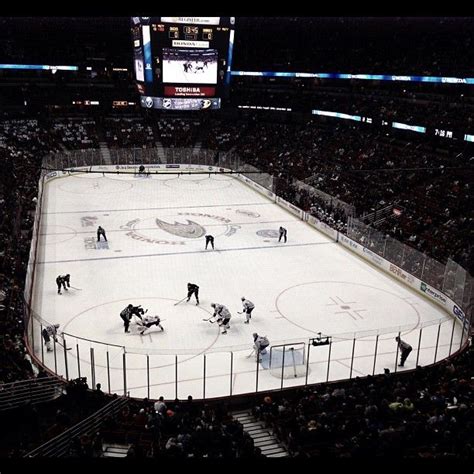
(223, 316)
(405, 349)
(126, 316)
(137, 311)
(247, 310)
(210, 240)
(101, 231)
(50, 332)
(141, 169)
(148, 322)
(282, 234)
(193, 289)
(260, 344)
(63, 280)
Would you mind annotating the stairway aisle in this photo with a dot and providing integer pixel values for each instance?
(105, 152)
(261, 435)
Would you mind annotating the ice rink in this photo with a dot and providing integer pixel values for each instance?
(155, 228)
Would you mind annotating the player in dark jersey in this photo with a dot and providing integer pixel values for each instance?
(126, 316)
(63, 280)
(210, 240)
(193, 289)
(137, 311)
(282, 234)
(101, 231)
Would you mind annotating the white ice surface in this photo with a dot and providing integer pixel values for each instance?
(300, 288)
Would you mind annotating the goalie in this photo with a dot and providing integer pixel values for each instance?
(148, 322)
(260, 344)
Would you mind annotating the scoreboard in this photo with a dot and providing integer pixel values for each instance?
(182, 63)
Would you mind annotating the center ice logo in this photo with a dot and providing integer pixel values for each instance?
(268, 233)
(191, 230)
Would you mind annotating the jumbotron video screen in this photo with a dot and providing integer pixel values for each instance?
(182, 63)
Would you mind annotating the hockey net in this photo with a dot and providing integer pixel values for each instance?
(288, 360)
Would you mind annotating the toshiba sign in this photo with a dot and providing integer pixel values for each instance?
(189, 91)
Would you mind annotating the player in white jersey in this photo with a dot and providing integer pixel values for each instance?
(148, 322)
(49, 332)
(248, 308)
(223, 316)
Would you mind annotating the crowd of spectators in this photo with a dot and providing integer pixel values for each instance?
(75, 134)
(151, 429)
(223, 135)
(31, 425)
(427, 414)
(178, 132)
(180, 429)
(129, 132)
(21, 148)
(449, 110)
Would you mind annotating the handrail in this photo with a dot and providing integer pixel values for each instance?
(15, 394)
(58, 446)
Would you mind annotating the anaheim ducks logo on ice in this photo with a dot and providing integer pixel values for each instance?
(191, 230)
(149, 230)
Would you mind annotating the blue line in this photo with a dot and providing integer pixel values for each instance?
(155, 208)
(186, 253)
(157, 228)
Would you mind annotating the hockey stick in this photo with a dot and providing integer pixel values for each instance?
(240, 312)
(80, 289)
(251, 354)
(180, 301)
